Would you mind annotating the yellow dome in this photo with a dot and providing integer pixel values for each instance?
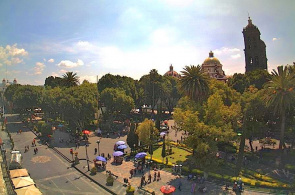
(211, 60)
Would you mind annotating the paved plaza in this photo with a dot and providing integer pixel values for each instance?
(54, 175)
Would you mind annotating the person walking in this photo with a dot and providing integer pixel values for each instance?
(149, 178)
(131, 173)
(95, 151)
(155, 176)
(141, 182)
(35, 151)
(193, 188)
(179, 184)
(159, 176)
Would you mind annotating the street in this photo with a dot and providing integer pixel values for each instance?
(51, 173)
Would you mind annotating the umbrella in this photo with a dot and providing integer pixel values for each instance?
(168, 189)
(100, 158)
(60, 125)
(18, 173)
(22, 182)
(121, 147)
(162, 133)
(118, 153)
(30, 190)
(86, 132)
(140, 155)
(120, 143)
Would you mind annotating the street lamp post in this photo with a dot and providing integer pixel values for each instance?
(98, 141)
(86, 145)
(180, 169)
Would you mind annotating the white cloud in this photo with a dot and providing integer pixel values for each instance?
(226, 50)
(275, 39)
(83, 44)
(38, 69)
(51, 60)
(163, 36)
(11, 54)
(179, 3)
(14, 51)
(70, 64)
(16, 60)
(236, 56)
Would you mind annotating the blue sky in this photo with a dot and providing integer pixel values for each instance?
(41, 38)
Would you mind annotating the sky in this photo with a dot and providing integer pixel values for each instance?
(41, 38)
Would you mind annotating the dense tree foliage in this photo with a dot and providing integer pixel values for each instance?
(116, 101)
(147, 132)
(116, 81)
(52, 82)
(280, 94)
(194, 83)
(70, 79)
(241, 82)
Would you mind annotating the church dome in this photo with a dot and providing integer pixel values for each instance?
(172, 73)
(211, 59)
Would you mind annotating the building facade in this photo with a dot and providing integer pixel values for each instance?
(213, 68)
(255, 48)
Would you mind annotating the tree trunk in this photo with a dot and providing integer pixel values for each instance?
(241, 154)
(282, 137)
(282, 134)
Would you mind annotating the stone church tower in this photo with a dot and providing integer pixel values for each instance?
(255, 53)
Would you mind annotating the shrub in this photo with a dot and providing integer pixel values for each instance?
(93, 170)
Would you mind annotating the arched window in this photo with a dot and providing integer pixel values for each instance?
(251, 61)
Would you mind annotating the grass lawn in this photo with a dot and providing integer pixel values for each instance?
(178, 155)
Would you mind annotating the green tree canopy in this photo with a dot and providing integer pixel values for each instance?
(194, 83)
(147, 132)
(116, 101)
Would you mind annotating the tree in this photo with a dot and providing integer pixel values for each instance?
(116, 81)
(241, 82)
(153, 88)
(147, 132)
(116, 101)
(173, 95)
(78, 104)
(253, 120)
(132, 137)
(70, 79)
(53, 82)
(194, 83)
(280, 94)
(27, 97)
(163, 154)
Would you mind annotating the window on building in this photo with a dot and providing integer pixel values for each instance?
(251, 60)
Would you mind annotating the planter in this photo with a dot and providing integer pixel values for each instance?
(110, 183)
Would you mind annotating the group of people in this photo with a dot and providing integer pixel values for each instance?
(143, 181)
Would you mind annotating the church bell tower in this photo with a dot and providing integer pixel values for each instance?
(255, 48)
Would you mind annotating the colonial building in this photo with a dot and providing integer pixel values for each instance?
(172, 73)
(5, 83)
(213, 68)
(255, 48)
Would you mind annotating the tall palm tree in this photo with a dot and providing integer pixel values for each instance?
(280, 94)
(194, 83)
(70, 79)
